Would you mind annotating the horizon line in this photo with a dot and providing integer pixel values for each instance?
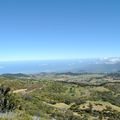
(15, 60)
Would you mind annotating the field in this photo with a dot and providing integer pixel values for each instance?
(60, 96)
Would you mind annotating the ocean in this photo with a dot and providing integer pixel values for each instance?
(84, 65)
(37, 66)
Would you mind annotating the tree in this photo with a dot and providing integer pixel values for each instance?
(7, 99)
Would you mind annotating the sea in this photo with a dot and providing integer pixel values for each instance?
(38, 66)
(29, 67)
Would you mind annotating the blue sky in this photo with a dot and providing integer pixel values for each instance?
(59, 29)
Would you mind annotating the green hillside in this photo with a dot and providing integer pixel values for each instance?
(45, 97)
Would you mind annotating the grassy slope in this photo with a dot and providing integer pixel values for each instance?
(49, 99)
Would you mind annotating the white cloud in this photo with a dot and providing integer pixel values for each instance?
(42, 65)
(72, 64)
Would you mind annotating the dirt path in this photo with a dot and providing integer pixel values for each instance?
(20, 91)
(25, 90)
(29, 89)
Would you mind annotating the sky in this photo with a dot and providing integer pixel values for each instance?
(59, 29)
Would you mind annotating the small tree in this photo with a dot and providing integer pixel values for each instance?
(7, 99)
(100, 116)
(90, 107)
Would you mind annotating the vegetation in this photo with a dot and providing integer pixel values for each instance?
(28, 97)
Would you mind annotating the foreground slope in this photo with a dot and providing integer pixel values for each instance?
(57, 96)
